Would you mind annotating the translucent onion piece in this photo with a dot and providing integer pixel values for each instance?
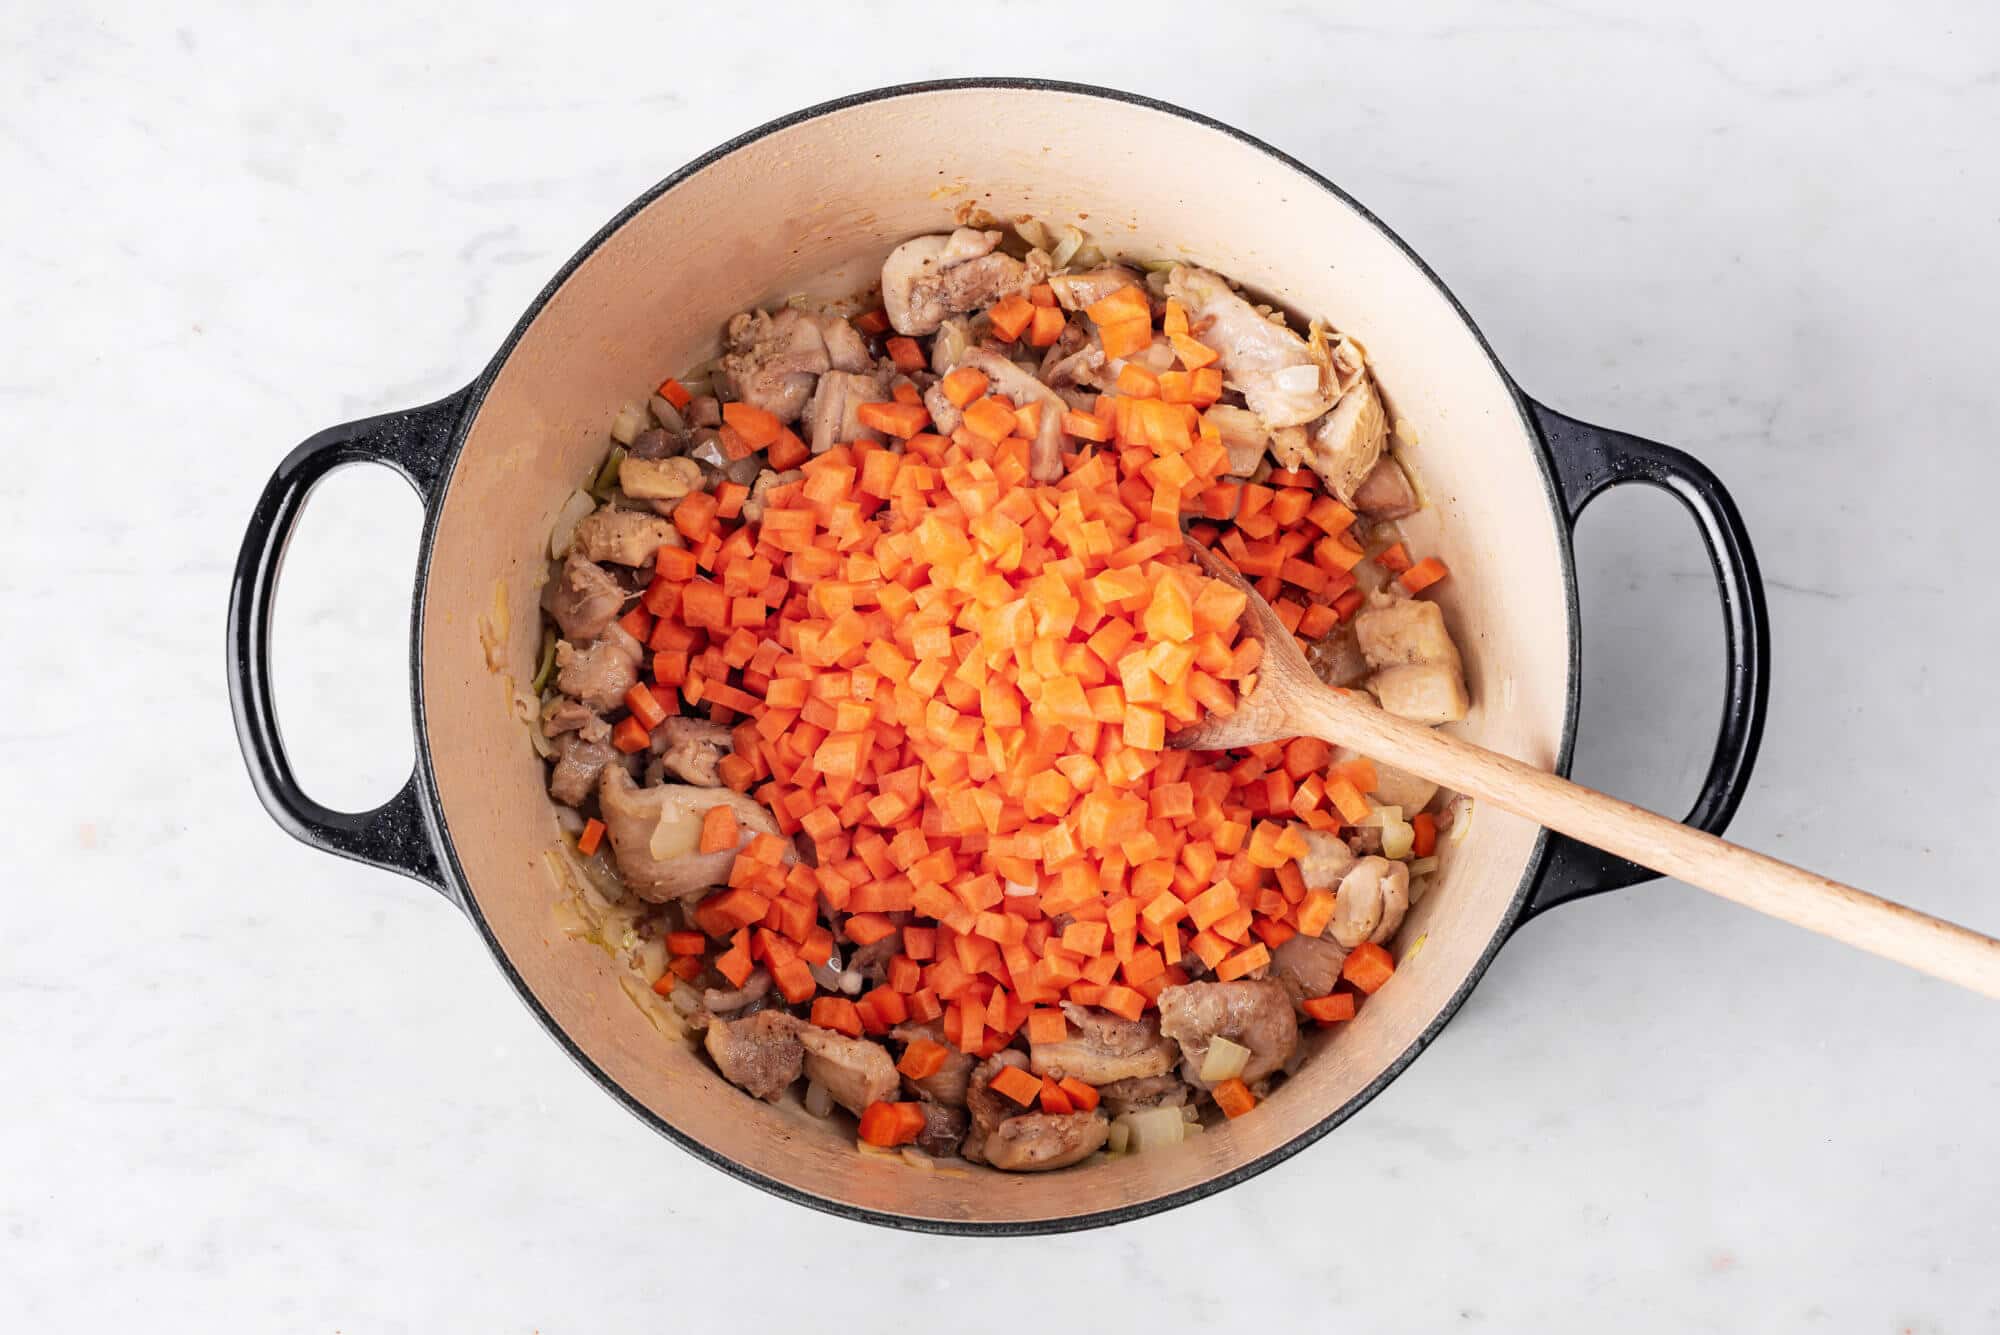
(1225, 1061)
(818, 1101)
(573, 512)
(1151, 1128)
(625, 427)
(1065, 250)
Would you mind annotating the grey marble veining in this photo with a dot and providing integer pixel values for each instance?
(248, 1087)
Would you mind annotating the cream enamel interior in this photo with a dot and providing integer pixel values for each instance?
(812, 208)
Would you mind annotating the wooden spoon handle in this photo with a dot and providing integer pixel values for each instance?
(1880, 926)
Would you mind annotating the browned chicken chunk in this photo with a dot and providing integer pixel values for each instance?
(1255, 1013)
(772, 360)
(1103, 1047)
(583, 598)
(761, 1052)
(854, 1071)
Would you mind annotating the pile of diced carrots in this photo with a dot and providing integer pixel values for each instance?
(960, 684)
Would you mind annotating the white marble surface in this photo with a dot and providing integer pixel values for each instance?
(248, 1087)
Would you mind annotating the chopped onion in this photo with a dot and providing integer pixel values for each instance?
(685, 999)
(607, 476)
(573, 512)
(1423, 866)
(1065, 250)
(1380, 816)
(916, 1158)
(1152, 1128)
(1087, 257)
(667, 415)
(625, 427)
(1225, 1061)
(1120, 1137)
(1461, 818)
(1037, 234)
(818, 1101)
(1298, 379)
(1399, 839)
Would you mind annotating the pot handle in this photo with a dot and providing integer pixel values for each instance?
(393, 836)
(1588, 461)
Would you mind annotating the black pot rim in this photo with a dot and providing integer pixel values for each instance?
(474, 397)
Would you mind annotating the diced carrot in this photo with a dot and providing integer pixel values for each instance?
(872, 322)
(990, 418)
(719, 829)
(1368, 966)
(1124, 338)
(1424, 574)
(631, 736)
(592, 836)
(1233, 1097)
(1016, 1084)
(923, 1059)
(1331, 1008)
(891, 1124)
(1393, 559)
(1127, 303)
(674, 392)
(901, 420)
(905, 353)
(1047, 1026)
(1083, 1097)
(1426, 840)
(1010, 316)
(758, 427)
(1046, 326)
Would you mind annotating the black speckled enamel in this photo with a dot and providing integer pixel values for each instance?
(407, 833)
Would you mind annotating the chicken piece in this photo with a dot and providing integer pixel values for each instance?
(659, 479)
(1386, 492)
(1419, 674)
(1255, 1013)
(836, 409)
(624, 537)
(845, 348)
(656, 834)
(1327, 859)
(1422, 692)
(582, 598)
(1074, 291)
(772, 360)
(1103, 1048)
(1336, 657)
(1347, 443)
(755, 988)
(761, 1053)
(1244, 435)
(1149, 1091)
(946, 416)
(1285, 381)
(928, 278)
(563, 714)
(1307, 966)
(1040, 1142)
(987, 1107)
(1371, 903)
(1020, 386)
(691, 748)
(1402, 631)
(600, 674)
(578, 763)
(855, 1071)
(948, 1083)
(1395, 787)
(944, 1128)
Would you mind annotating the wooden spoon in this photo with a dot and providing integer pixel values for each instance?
(1289, 700)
